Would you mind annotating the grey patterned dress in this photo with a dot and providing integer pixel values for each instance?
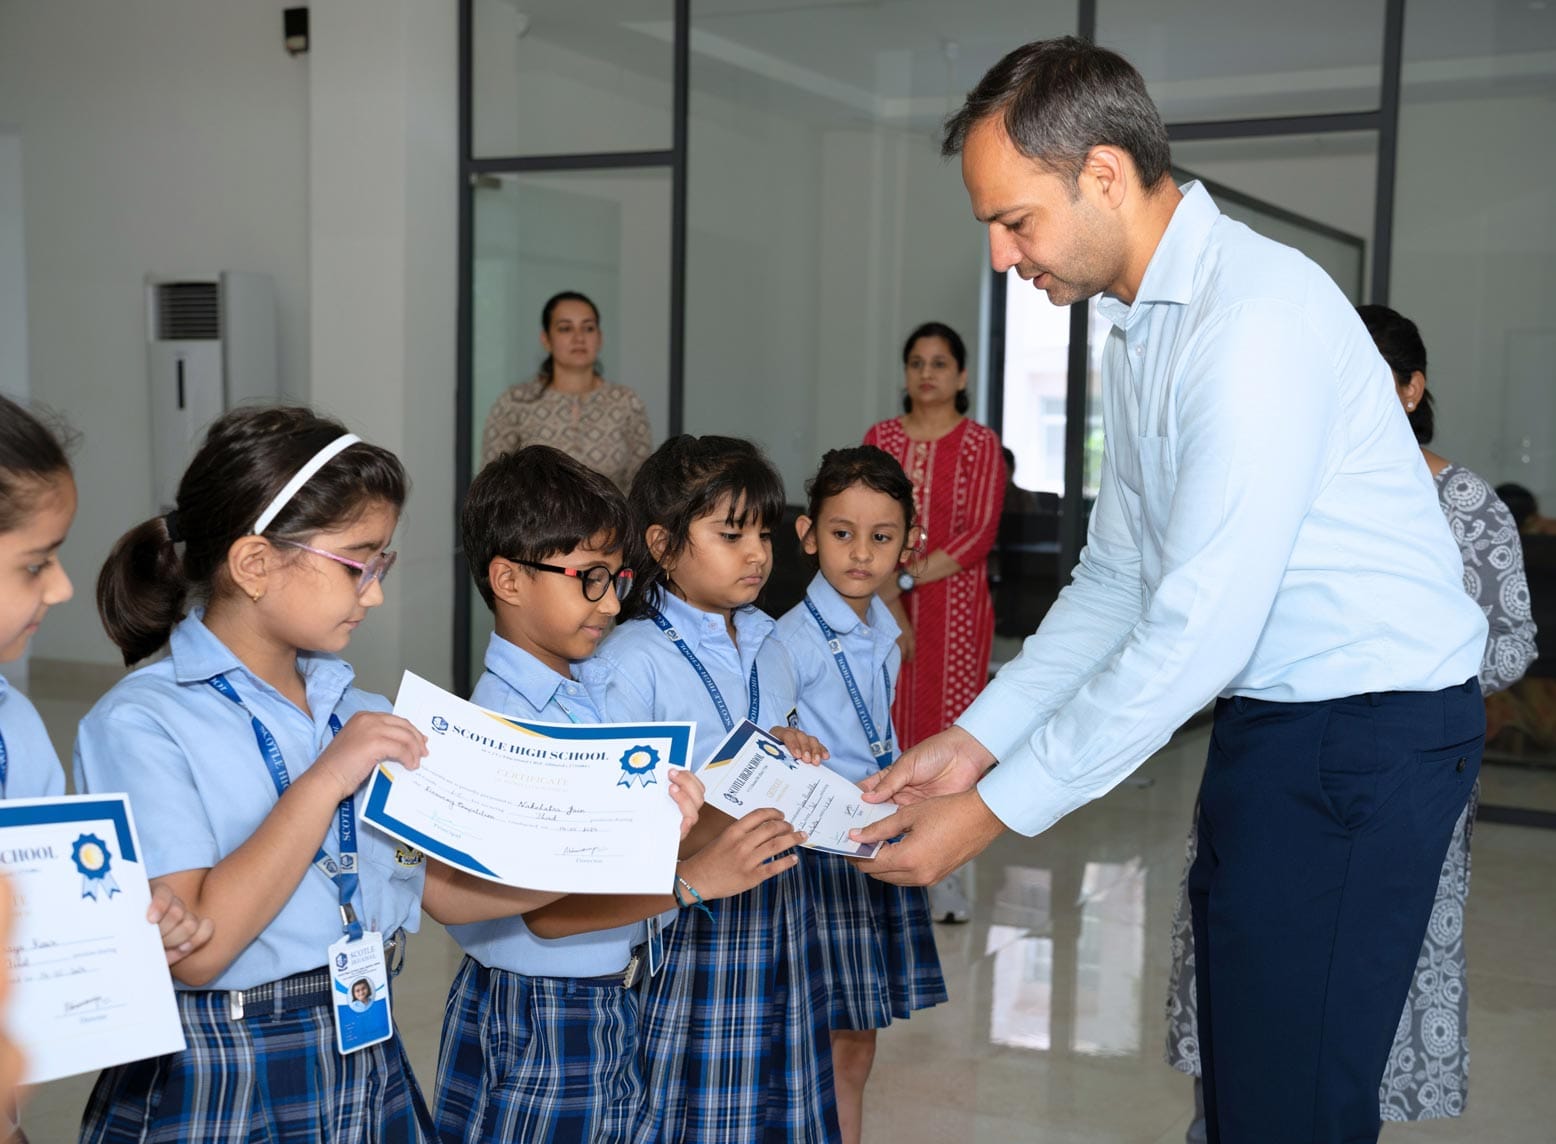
(1428, 1067)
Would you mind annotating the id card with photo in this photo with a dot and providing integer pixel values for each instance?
(361, 1001)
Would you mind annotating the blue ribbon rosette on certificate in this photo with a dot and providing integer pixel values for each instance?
(638, 763)
(93, 862)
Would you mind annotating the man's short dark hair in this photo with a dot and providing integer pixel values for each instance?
(536, 503)
(1059, 99)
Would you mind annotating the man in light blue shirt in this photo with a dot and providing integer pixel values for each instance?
(1266, 533)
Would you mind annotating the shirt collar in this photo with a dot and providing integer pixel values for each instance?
(520, 670)
(841, 618)
(198, 655)
(5, 685)
(696, 627)
(1169, 276)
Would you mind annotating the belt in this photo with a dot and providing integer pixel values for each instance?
(624, 978)
(306, 990)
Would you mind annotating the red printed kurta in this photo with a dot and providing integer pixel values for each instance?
(959, 484)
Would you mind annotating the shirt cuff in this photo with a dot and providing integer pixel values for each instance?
(995, 719)
(1023, 796)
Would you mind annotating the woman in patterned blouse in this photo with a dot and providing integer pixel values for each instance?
(568, 404)
(1427, 1074)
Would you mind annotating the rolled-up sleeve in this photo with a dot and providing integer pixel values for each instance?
(1256, 409)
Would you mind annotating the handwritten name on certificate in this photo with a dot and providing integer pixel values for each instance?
(569, 808)
(750, 770)
(90, 983)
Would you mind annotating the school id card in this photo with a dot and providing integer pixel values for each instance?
(361, 992)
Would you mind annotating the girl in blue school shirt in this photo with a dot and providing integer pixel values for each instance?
(734, 1030)
(540, 1033)
(245, 751)
(877, 943)
(37, 505)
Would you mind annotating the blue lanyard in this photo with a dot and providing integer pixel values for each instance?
(344, 872)
(754, 687)
(5, 765)
(880, 748)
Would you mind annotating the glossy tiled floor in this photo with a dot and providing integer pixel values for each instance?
(1054, 1028)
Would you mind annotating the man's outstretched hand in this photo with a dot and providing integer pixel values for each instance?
(947, 763)
(938, 835)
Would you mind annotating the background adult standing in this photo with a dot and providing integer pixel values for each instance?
(1427, 1075)
(568, 404)
(942, 601)
(1287, 556)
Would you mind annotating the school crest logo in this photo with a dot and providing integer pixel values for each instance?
(439, 724)
(408, 856)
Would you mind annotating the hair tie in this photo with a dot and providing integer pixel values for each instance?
(170, 522)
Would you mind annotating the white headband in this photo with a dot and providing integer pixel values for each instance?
(303, 476)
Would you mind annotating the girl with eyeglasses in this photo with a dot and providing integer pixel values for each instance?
(245, 752)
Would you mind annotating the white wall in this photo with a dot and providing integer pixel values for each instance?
(383, 168)
(1475, 266)
(178, 136)
(164, 136)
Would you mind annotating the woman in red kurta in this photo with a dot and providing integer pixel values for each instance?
(958, 474)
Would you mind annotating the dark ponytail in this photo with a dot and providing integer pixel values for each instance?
(958, 350)
(1399, 341)
(32, 457)
(246, 458)
(548, 367)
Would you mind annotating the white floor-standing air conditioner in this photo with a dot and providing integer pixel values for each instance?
(211, 345)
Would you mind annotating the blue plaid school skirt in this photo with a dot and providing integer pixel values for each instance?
(734, 1027)
(272, 1078)
(543, 1060)
(877, 944)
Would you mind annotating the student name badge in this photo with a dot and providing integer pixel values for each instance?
(361, 1003)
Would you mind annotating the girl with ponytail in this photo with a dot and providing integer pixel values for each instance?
(245, 751)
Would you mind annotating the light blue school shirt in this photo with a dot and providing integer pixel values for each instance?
(1265, 527)
(870, 645)
(639, 674)
(32, 767)
(199, 786)
(517, 684)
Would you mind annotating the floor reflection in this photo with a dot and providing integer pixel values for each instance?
(1069, 977)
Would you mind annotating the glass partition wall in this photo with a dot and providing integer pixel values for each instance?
(754, 190)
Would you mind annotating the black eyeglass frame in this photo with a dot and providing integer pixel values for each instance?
(621, 579)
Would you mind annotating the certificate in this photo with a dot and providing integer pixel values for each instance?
(90, 983)
(750, 769)
(562, 807)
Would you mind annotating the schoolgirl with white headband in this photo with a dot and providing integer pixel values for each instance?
(244, 752)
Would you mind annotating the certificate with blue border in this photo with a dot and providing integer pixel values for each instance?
(561, 807)
(751, 770)
(89, 979)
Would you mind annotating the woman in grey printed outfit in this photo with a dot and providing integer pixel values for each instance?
(1428, 1068)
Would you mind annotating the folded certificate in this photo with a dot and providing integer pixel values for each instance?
(90, 983)
(569, 808)
(750, 770)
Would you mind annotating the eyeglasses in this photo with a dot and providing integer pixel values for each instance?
(375, 571)
(594, 580)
